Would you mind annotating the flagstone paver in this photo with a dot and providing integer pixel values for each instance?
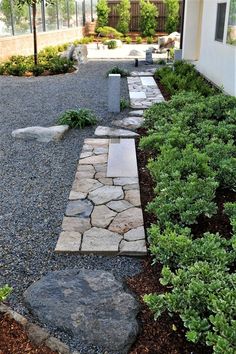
(131, 123)
(143, 92)
(103, 214)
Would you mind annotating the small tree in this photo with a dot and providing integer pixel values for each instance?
(102, 13)
(33, 4)
(148, 18)
(124, 16)
(172, 15)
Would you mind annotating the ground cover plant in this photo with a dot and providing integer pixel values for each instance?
(49, 62)
(117, 70)
(78, 118)
(192, 142)
(183, 77)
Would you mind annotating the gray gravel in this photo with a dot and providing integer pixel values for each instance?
(36, 178)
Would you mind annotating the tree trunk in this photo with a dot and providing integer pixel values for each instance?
(35, 34)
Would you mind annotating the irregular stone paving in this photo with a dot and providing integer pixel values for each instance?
(104, 214)
(143, 92)
(102, 131)
(131, 123)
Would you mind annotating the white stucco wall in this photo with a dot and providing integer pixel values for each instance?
(215, 60)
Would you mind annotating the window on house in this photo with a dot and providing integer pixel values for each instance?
(220, 21)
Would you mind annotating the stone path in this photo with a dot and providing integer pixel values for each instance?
(104, 214)
(143, 92)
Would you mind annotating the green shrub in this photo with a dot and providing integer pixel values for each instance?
(148, 15)
(117, 70)
(109, 32)
(15, 69)
(102, 13)
(161, 62)
(123, 10)
(172, 20)
(128, 40)
(139, 40)
(77, 119)
(111, 44)
(203, 295)
(184, 78)
(59, 65)
(149, 40)
(5, 292)
(37, 70)
(123, 104)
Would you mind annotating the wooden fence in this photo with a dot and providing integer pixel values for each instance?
(135, 14)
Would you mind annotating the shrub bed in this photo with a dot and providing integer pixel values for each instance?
(191, 139)
(49, 62)
(183, 77)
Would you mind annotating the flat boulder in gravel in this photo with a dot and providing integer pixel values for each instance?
(92, 305)
(41, 134)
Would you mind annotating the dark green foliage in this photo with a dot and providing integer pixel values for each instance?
(111, 44)
(123, 104)
(123, 10)
(117, 70)
(59, 65)
(37, 70)
(172, 20)
(194, 140)
(102, 13)
(148, 18)
(184, 77)
(77, 119)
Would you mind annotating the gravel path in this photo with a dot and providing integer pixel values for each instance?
(36, 178)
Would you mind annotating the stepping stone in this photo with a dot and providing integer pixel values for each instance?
(122, 181)
(95, 159)
(142, 73)
(97, 142)
(138, 113)
(90, 305)
(77, 195)
(81, 208)
(112, 133)
(69, 241)
(135, 234)
(85, 185)
(148, 81)
(101, 241)
(102, 216)
(41, 134)
(119, 205)
(76, 224)
(105, 194)
(133, 197)
(120, 163)
(127, 220)
(137, 95)
(131, 123)
(134, 248)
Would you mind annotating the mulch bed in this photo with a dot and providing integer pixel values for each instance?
(14, 340)
(167, 334)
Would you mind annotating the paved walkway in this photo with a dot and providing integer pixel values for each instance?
(104, 215)
(143, 92)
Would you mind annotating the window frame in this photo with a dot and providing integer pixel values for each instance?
(218, 19)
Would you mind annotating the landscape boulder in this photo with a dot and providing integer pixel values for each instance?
(92, 305)
(41, 134)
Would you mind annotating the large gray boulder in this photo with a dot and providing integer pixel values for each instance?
(41, 134)
(91, 305)
(80, 54)
(68, 54)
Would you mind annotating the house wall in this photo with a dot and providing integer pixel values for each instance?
(23, 45)
(215, 60)
(192, 24)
